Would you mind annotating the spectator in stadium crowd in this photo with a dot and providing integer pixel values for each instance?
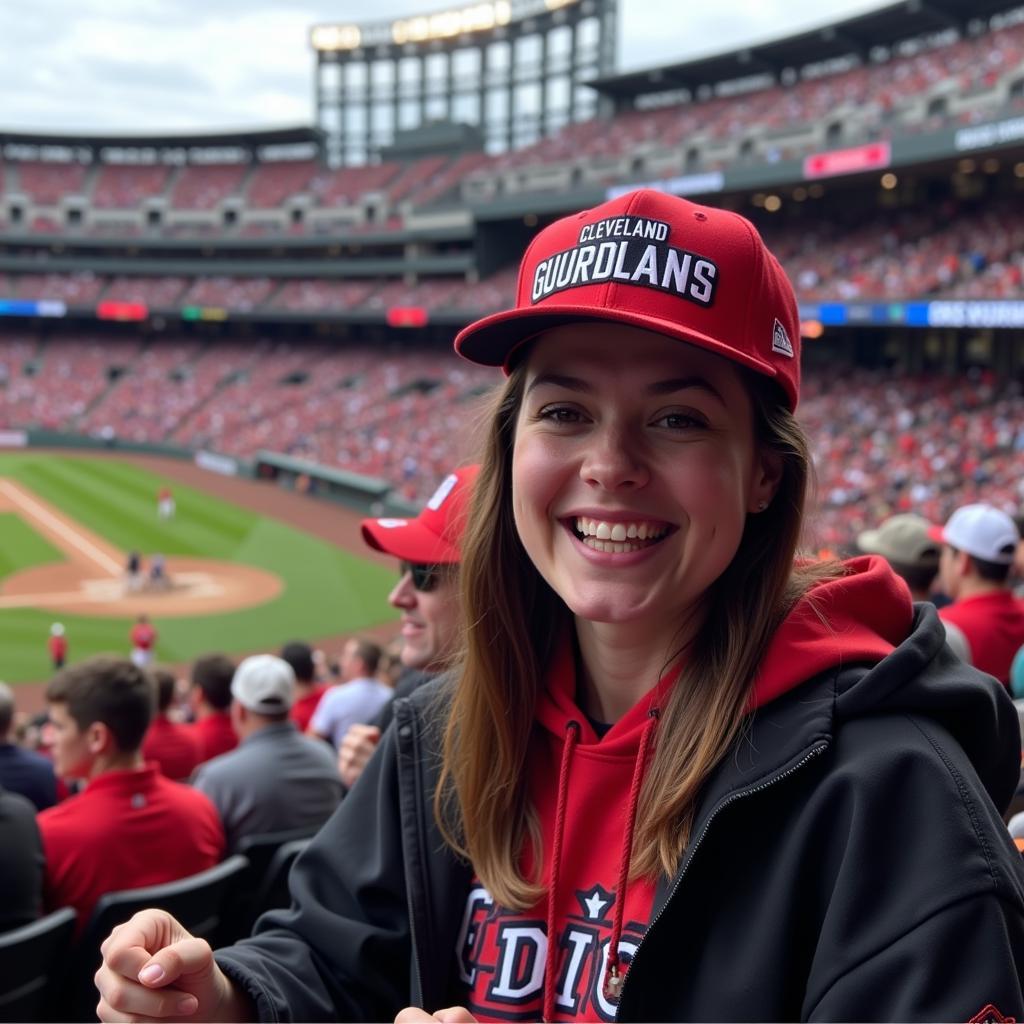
(427, 595)
(130, 826)
(276, 779)
(21, 862)
(210, 698)
(169, 743)
(1017, 573)
(985, 622)
(650, 678)
(22, 771)
(308, 688)
(143, 639)
(359, 696)
(905, 543)
(57, 645)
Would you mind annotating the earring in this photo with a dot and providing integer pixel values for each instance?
(761, 506)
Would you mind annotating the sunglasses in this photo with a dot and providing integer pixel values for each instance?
(425, 578)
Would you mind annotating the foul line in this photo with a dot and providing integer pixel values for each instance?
(34, 509)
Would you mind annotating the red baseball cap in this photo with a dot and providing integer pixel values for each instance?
(434, 537)
(655, 261)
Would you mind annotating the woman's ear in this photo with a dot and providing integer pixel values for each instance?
(766, 480)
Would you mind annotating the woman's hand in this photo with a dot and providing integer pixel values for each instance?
(453, 1015)
(356, 749)
(155, 970)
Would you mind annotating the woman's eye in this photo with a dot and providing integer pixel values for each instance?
(560, 414)
(680, 421)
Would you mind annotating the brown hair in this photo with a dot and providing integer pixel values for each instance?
(481, 801)
(213, 673)
(109, 690)
(165, 686)
(368, 652)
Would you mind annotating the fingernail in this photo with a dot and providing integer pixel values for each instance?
(186, 1006)
(151, 975)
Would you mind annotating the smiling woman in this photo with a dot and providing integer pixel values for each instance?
(679, 774)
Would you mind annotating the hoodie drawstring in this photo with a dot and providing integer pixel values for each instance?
(572, 737)
(614, 978)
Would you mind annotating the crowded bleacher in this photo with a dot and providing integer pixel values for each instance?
(938, 82)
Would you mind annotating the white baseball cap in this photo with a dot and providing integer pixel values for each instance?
(265, 684)
(982, 531)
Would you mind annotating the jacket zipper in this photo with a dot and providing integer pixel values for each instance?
(812, 753)
(410, 742)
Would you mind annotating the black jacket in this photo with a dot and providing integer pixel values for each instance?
(849, 862)
(21, 862)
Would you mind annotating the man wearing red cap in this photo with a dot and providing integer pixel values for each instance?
(428, 548)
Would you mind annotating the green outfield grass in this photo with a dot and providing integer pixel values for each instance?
(21, 547)
(326, 590)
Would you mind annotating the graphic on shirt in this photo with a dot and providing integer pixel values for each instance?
(990, 1015)
(501, 957)
(635, 251)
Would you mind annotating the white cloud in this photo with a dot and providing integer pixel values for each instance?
(150, 65)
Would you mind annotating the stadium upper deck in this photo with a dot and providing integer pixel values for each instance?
(889, 177)
(931, 85)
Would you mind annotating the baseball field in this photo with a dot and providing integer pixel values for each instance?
(247, 566)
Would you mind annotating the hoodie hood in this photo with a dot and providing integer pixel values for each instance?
(866, 620)
(855, 619)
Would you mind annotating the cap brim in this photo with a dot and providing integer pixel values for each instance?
(868, 542)
(411, 542)
(493, 340)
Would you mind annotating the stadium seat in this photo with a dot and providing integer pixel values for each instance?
(273, 891)
(31, 959)
(256, 882)
(198, 902)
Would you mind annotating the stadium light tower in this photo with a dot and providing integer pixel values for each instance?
(512, 68)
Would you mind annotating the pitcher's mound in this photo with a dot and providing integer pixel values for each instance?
(194, 586)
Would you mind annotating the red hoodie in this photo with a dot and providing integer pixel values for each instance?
(503, 955)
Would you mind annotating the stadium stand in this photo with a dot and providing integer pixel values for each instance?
(82, 288)
(47, 183)
(124, 187)
(354, 399)
(242, 294)
(271, 184)
(945, 82)
(203, 187)
(885, 442)
(310, 295)
(158, 292)
(346, 185)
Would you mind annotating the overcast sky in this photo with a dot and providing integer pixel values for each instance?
(153, 65)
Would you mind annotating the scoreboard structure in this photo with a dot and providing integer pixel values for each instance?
(514, 69)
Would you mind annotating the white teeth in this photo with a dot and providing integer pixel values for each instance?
(601, 531)
(610, 546)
